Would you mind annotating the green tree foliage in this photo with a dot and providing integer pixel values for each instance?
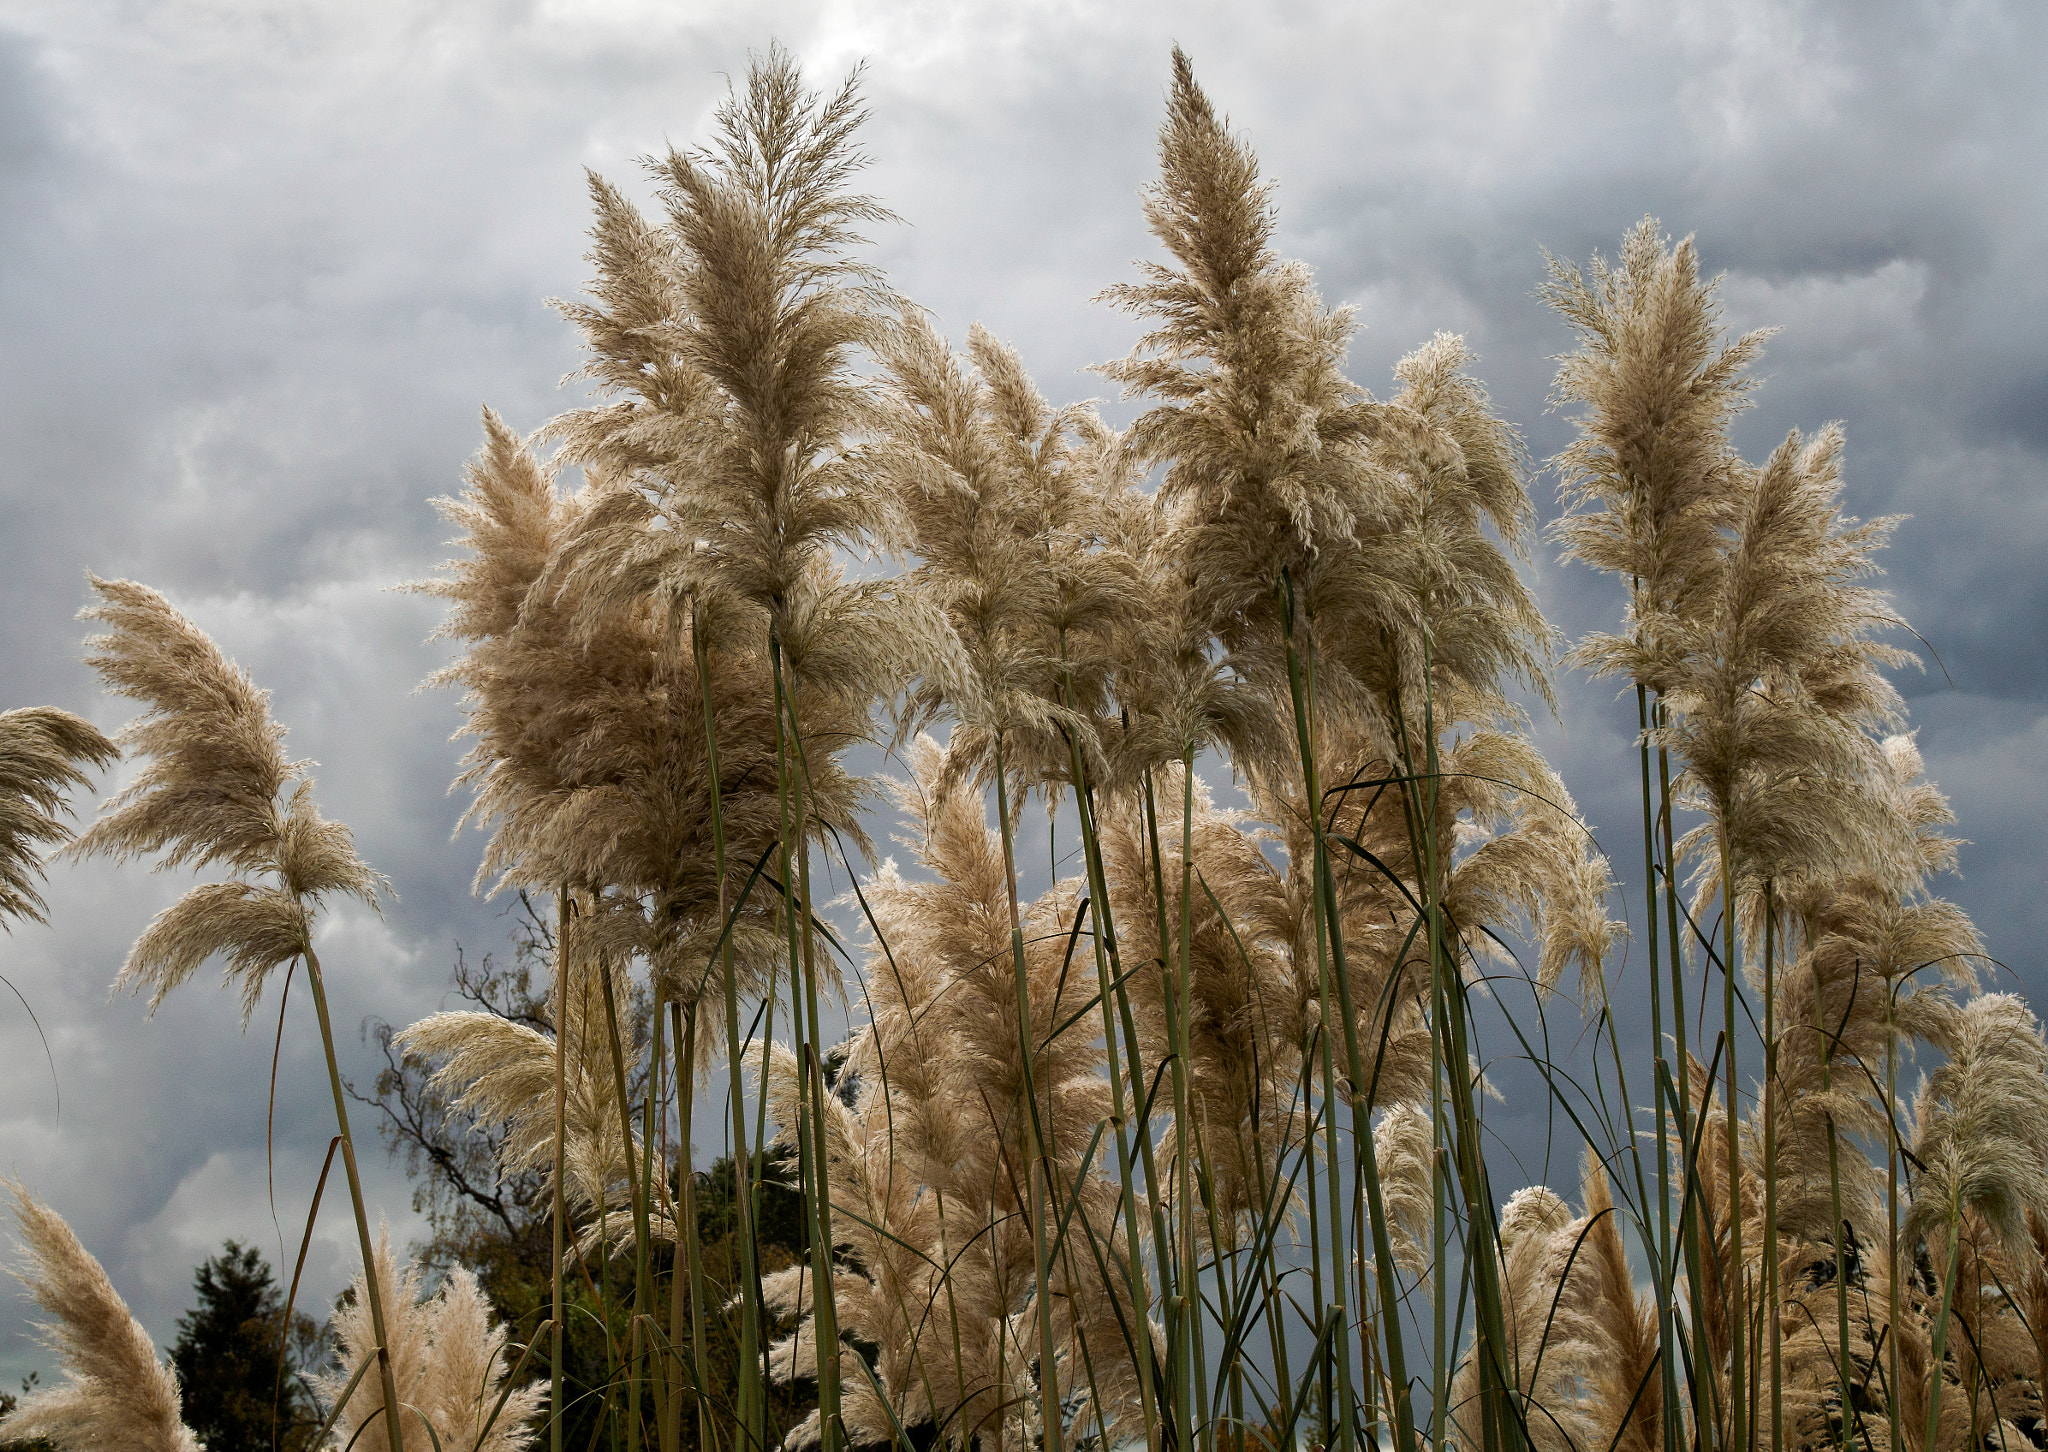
(237, 1377)
(9, 1401)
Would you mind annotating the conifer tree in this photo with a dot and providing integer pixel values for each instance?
(230, 1358)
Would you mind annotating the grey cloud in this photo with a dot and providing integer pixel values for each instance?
(25, 141)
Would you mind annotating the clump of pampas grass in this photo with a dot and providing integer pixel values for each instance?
(932, 1156)
(117, 1397)
(448, 1361)
(1581, 1342)
(928, 1140)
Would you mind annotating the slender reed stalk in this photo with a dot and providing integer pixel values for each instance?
(372, 1294)
(1329, 944)
(1689, 1220)
(1190, 1165)
(1662, 1269)
(794, 857)
(686, 1038)
(1038, 1161)
(1115, 1004)
(560, 1216)
(1843, 1368)
(751, 1379)
(1938, 1359)
(1771, 1252)
(1893, 1300)
(655, 1367)
(1740, 1414)
(1176, 1267)
(642, 1292)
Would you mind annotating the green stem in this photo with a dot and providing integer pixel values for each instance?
(1501, 1418)
(1191, 1163)
(1667, 1359)
(373, 1292)
(561, 1155)
(1439, 1219)
(1331, 964)
(641, 1291)
(1940, 1352)
(1842, 1369)
(654, 1367)
(1689, 1219)
(1106, 972)
(1738, 1315)
(1038, 1163)
(795, 861)
(1770, 1245)
(1891, 1199)
(1173, 1273)
(751, 1409)
(686, 1096)
(1318, 1301)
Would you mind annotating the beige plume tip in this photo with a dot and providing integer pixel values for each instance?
(212, 788)
(117, 1396)
(43, 753)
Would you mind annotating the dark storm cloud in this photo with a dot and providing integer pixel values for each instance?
(260, 264)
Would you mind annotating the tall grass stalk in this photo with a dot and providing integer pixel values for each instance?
(1329, 945)
(642, 1289)
(559, 1199)
(750, 1382)
(1690, 1204)
(1661, 1255)
(686, 1032)
(1119, 1050)
(794, 857)
(1845, 1381)
(1179, 1284)
(372, 1294)
(1772, 1256)
(1738, 1315)
(1892, 1150)
(1190, 1167)
(653, 1125)
(1938, 1358)
(1038, 1159)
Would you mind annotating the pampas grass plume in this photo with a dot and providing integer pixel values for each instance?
(209, 792)
(40, 751)
(447, 1360)
(118, 1396)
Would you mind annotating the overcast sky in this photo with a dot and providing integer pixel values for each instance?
(260, 264)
